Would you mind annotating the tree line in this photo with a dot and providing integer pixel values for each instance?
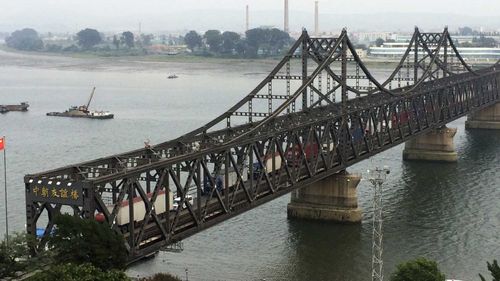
(257, 41)
(28, 39)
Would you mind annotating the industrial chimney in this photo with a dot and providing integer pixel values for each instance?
(286, 26)
(247, 20)
(316, 19)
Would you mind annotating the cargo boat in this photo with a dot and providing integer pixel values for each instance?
(83, 111)
(4, 108)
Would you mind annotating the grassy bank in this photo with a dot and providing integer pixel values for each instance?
(138, 55)
(135, 55)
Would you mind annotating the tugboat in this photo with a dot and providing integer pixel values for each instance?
(83, 111)
(4, 108)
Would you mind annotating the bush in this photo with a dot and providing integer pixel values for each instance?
(71, 48)
(162, 277)
(82, 272)
(53, 48)
(14, 257)
(419, 269)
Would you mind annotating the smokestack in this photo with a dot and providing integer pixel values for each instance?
(316, 19)
(247, 18)
(286, 27)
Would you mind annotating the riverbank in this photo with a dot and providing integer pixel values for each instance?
(178, 58)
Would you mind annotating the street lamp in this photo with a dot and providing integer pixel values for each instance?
(377, 177)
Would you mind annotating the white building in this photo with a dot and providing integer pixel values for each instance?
(367, 37)
(397, 50)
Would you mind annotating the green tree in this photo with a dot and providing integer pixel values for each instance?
(483, 41)
(146, 39)
(16, 255)
(192, 40)
(86, 241)
(361, 46)
(214, 40)
(465, 31)
(270, 41)
(128, 39)
(255, 38)
(277, 39)
(162, 277)
(88, 38)
(379, 42)
(81, 272)
(116, 42)
(494, 270)
(241, 47)
(26, 39)
(229, 41)
(419, 269)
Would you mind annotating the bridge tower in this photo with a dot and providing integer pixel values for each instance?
(442, 61)
(333, 198)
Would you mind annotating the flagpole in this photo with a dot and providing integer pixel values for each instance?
(5, 188)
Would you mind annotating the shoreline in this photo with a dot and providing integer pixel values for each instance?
(179, 58)
(154, 62)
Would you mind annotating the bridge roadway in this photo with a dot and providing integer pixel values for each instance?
(266, 158)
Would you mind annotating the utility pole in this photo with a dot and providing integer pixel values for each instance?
(377, 177)
(2, 147)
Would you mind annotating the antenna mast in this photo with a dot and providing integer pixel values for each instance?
(377, 177)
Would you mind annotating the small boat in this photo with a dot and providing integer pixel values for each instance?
(83, 111)
(172, 76)
(4, 108)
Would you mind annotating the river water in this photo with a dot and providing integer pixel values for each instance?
(446, 212)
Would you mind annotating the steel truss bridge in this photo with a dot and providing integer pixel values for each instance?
(319, 111)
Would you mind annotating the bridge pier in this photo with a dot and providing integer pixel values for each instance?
(436, 145)
(488, 118)
(332, 199)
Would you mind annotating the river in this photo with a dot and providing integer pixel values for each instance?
(446, 212)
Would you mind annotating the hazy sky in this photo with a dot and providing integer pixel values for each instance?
(70, 15)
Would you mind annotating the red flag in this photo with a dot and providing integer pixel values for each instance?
(2, 143)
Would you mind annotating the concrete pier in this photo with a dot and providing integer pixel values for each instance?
(488, 118)
(434, 146)
(332, 199)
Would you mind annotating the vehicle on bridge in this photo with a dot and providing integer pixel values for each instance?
(220, 180)
(268, 165)
(122, 216)
(177, 202)
(294, 154)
